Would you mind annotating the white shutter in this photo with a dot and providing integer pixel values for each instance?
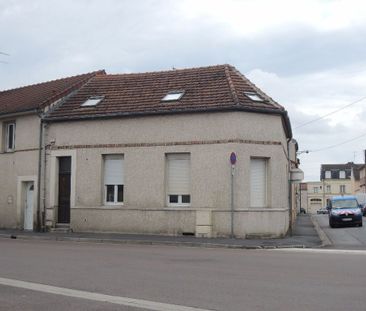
(113, 170)
(178, 174)
(258, 182)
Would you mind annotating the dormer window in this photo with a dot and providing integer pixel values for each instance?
(92, 101)
(173, 96)
(253, 96)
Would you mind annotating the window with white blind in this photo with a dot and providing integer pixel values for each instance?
(342, 174)
(328, 174)
(258, 182)
(9, 136)
(178, 179)
(113, 179)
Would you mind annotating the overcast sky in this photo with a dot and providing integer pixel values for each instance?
(310, 56)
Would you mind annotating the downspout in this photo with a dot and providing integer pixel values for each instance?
(44, 177)
(289, 187)
(39, 219)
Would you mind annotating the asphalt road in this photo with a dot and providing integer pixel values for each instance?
(344, 237)
(71, 276)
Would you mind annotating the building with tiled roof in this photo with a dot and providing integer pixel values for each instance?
(214, 89)
(21, 112)
(150, 153)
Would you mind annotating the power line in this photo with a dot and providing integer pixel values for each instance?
(330, 113)
(333, 146)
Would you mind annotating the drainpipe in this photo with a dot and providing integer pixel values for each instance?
(44, 176)
(289, 187)
(39, 219)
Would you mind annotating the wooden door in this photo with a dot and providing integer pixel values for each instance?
(64, 189)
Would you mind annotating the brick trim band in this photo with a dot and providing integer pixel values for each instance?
(161, 144)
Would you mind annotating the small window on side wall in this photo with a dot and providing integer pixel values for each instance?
(9, 137)
(178, 179)
(113, 179)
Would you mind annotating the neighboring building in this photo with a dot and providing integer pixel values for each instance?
(315, 196)
(337, 179)
(358, 178)
(302, 195)
(149, 153)
(20, 131)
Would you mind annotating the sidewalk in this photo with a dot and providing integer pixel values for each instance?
(304, 236)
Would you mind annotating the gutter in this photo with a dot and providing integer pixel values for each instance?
(19, 113)
(283, 113)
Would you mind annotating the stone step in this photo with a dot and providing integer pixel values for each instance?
(61, 228)
(62, 225)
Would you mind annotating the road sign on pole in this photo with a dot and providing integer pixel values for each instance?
(233, 162)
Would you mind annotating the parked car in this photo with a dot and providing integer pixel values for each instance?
(322, 210)
(344, 210)
(363, 209)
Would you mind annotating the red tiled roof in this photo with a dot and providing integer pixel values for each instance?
(205, 87)
(39, 95)
(211, 88)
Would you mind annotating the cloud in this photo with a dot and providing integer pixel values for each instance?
(308, 55)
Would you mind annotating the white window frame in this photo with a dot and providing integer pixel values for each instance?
(266, 183)
(316, 189)
(328, 188)
(115, 193)
(179, 203)
(7, 126)
(92, 101)
(342, 174)
(328, 174)
(253, 96)
(173, 96)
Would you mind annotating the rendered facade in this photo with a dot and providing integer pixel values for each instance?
(149, 153)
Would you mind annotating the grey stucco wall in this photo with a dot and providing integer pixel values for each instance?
(14, 165)
(144, 209)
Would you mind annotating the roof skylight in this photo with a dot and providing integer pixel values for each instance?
(174, 95)
(92, 101)
(253, 96)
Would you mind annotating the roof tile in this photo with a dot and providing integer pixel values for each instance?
(40, 95)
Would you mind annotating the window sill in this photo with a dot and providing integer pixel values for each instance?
(113, 204)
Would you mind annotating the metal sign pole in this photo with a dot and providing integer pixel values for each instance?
(232, 161)
(232, 201)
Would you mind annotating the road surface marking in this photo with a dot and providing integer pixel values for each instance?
(125, 301)
(314, 250)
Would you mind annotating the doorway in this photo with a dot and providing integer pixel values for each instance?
(64, 190)
(29, 204)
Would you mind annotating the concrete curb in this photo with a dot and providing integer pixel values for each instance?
(322, 235)
(146, 242)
